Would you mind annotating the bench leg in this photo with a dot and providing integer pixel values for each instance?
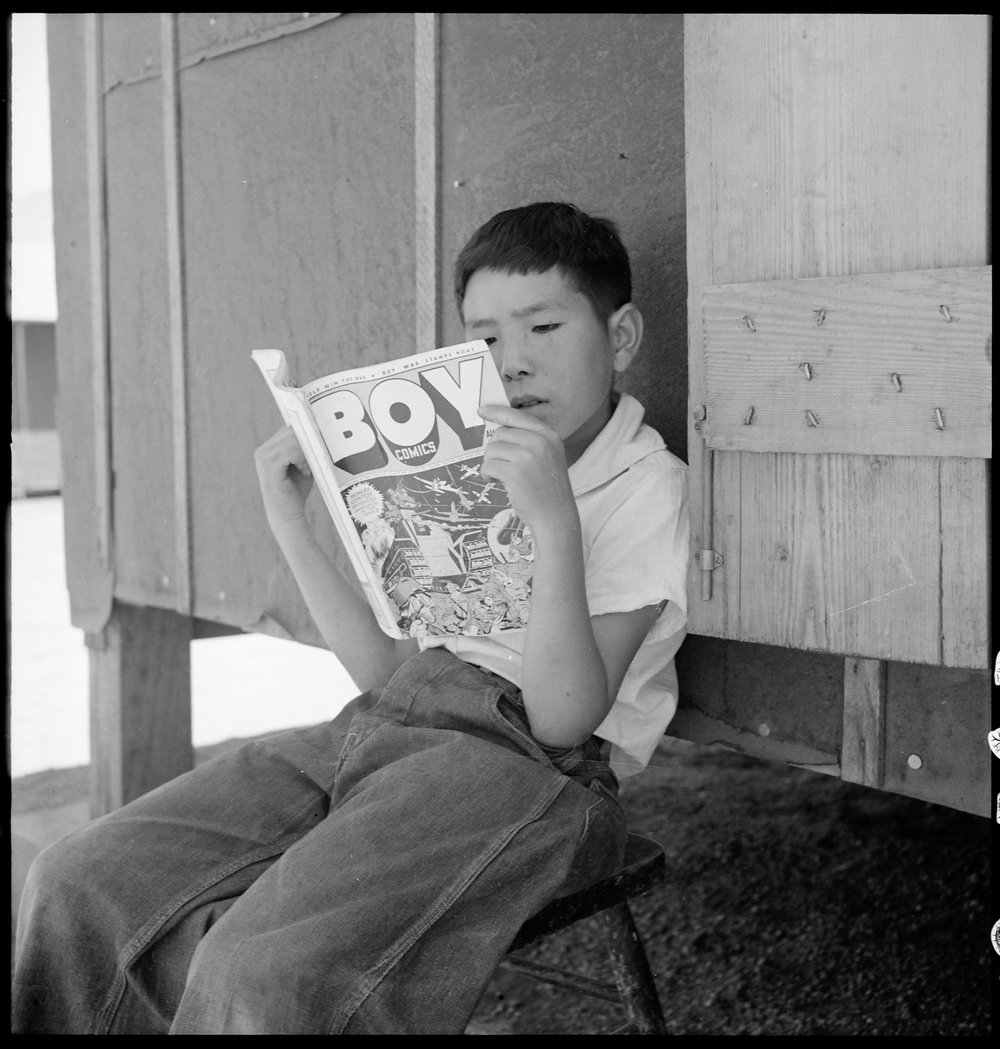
(632, 973)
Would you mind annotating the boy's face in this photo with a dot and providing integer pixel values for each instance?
(556, 357)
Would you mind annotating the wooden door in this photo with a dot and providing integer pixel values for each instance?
(839, 332)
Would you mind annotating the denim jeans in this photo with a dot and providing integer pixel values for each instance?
(364, 876)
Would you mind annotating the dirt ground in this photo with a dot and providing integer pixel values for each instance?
(794, 904)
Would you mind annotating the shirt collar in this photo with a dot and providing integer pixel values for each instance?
(624, 440)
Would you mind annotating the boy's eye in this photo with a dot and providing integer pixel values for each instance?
(490, 339)
(543, 329)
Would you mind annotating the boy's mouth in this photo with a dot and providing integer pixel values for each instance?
(525, 402)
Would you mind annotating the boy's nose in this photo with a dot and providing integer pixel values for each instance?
(514, 362)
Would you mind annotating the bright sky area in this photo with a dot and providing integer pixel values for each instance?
(31, 152)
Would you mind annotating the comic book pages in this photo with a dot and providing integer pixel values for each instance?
(396, 451)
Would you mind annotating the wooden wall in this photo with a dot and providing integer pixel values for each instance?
(838, 197)
(840, 397)
(234, 181)
(262, 193)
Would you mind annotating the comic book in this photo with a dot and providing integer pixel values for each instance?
(396, 451)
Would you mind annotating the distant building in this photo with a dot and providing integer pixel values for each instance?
(35, 457)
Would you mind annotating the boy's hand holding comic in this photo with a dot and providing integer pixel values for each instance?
(530, 460)
(284, 477)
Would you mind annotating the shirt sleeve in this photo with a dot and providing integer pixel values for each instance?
(639, 552)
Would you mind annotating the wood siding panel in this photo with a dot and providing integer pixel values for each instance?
(820, 146)
(937, 721)
(585, 108)
(131, 48)
(297, 170)
(965, 564)
(774, 703)
(204, 35)
(833, 560)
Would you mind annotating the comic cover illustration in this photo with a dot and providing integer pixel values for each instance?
(449, 551)
(396, 450)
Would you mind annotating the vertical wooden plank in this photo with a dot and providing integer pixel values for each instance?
(89, 581)
(145, 554)
(841, 562)
(882, 555)
(862, 755)
(426, 62)
(140, 704)
(708, 556)
(964, 486)
(100, 376)
(727, 484)
(176, 292)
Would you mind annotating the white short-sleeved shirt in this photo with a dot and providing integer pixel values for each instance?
(631, 493)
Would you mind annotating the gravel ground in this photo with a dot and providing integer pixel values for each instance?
(794, 904)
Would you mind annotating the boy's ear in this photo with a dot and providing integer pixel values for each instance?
(625, 327)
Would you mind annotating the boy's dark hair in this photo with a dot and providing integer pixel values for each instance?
(536, 237)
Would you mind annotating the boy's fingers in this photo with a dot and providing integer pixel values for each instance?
(507, 416)
(508, 443)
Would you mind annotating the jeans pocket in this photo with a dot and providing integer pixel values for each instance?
(603, 832)
(602, 790)
(511, 716)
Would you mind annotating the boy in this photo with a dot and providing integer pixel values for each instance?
(367, 875)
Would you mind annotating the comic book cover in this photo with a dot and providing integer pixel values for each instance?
(396, 450)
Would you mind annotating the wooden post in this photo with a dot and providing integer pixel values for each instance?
(862, 754)
(426, 147)
(100, 390)
(178, 332)
(140, 704)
